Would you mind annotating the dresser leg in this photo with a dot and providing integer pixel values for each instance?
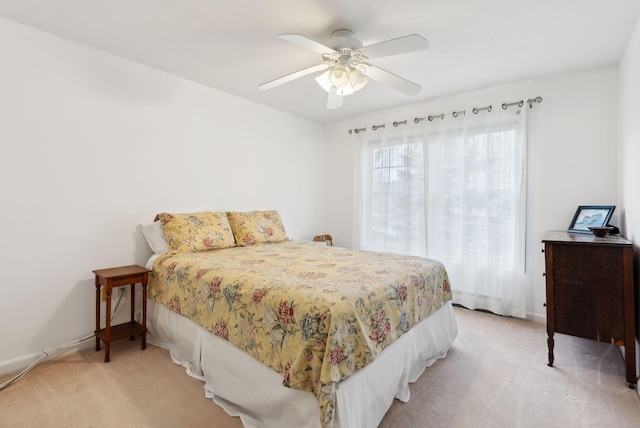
(550, 343)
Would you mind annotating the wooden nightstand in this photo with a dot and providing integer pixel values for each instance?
(327, 239)
(117, 277)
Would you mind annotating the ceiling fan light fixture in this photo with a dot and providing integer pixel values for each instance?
(339, 76)
(356, 80)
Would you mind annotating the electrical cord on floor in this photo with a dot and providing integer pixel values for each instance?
(42, 357)
(55, 350)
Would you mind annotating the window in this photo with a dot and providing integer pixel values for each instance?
(393, 214)
(453, 191)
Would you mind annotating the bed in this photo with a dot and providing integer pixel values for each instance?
(287, 333)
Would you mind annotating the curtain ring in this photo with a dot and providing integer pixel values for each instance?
(517, 103)
(476, 109)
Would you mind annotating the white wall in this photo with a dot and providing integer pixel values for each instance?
(630, 136)
(630, 152)
(572, 157)
(92, 145)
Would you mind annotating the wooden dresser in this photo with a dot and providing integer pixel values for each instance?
(590, 291)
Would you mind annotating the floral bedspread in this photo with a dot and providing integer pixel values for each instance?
(315, 314)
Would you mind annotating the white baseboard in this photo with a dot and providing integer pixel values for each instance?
(538, 318)
(18, 364)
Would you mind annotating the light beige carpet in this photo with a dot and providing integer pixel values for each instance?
(494, 376)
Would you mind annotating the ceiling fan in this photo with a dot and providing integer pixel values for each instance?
(345, 65)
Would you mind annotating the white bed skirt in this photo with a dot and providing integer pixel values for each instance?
(244, 387)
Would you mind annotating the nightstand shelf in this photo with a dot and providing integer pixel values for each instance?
(129, 329)
(118, 277)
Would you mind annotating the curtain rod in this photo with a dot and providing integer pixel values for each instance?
(432, 117)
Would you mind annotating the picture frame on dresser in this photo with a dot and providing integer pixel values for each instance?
(587, 216)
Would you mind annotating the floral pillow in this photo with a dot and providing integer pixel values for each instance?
(189, 233)
(257, 227)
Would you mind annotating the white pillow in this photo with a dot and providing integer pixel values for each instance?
(155, 238)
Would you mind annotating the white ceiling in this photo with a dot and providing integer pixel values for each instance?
(233, 45)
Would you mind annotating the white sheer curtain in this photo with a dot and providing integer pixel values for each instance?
(452, 190)
(390, 191)
(476, 205)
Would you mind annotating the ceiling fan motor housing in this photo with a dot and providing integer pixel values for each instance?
(345, 70)
(344, 39)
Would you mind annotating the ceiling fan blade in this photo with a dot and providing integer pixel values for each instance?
(289, 77)
(401, 45)
(306, 42)
(390, 79)
(334, 100)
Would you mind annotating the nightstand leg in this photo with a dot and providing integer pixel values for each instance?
(550, 344)
(133, 304)
(97, 314)
(107, 327)
(144, 310)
